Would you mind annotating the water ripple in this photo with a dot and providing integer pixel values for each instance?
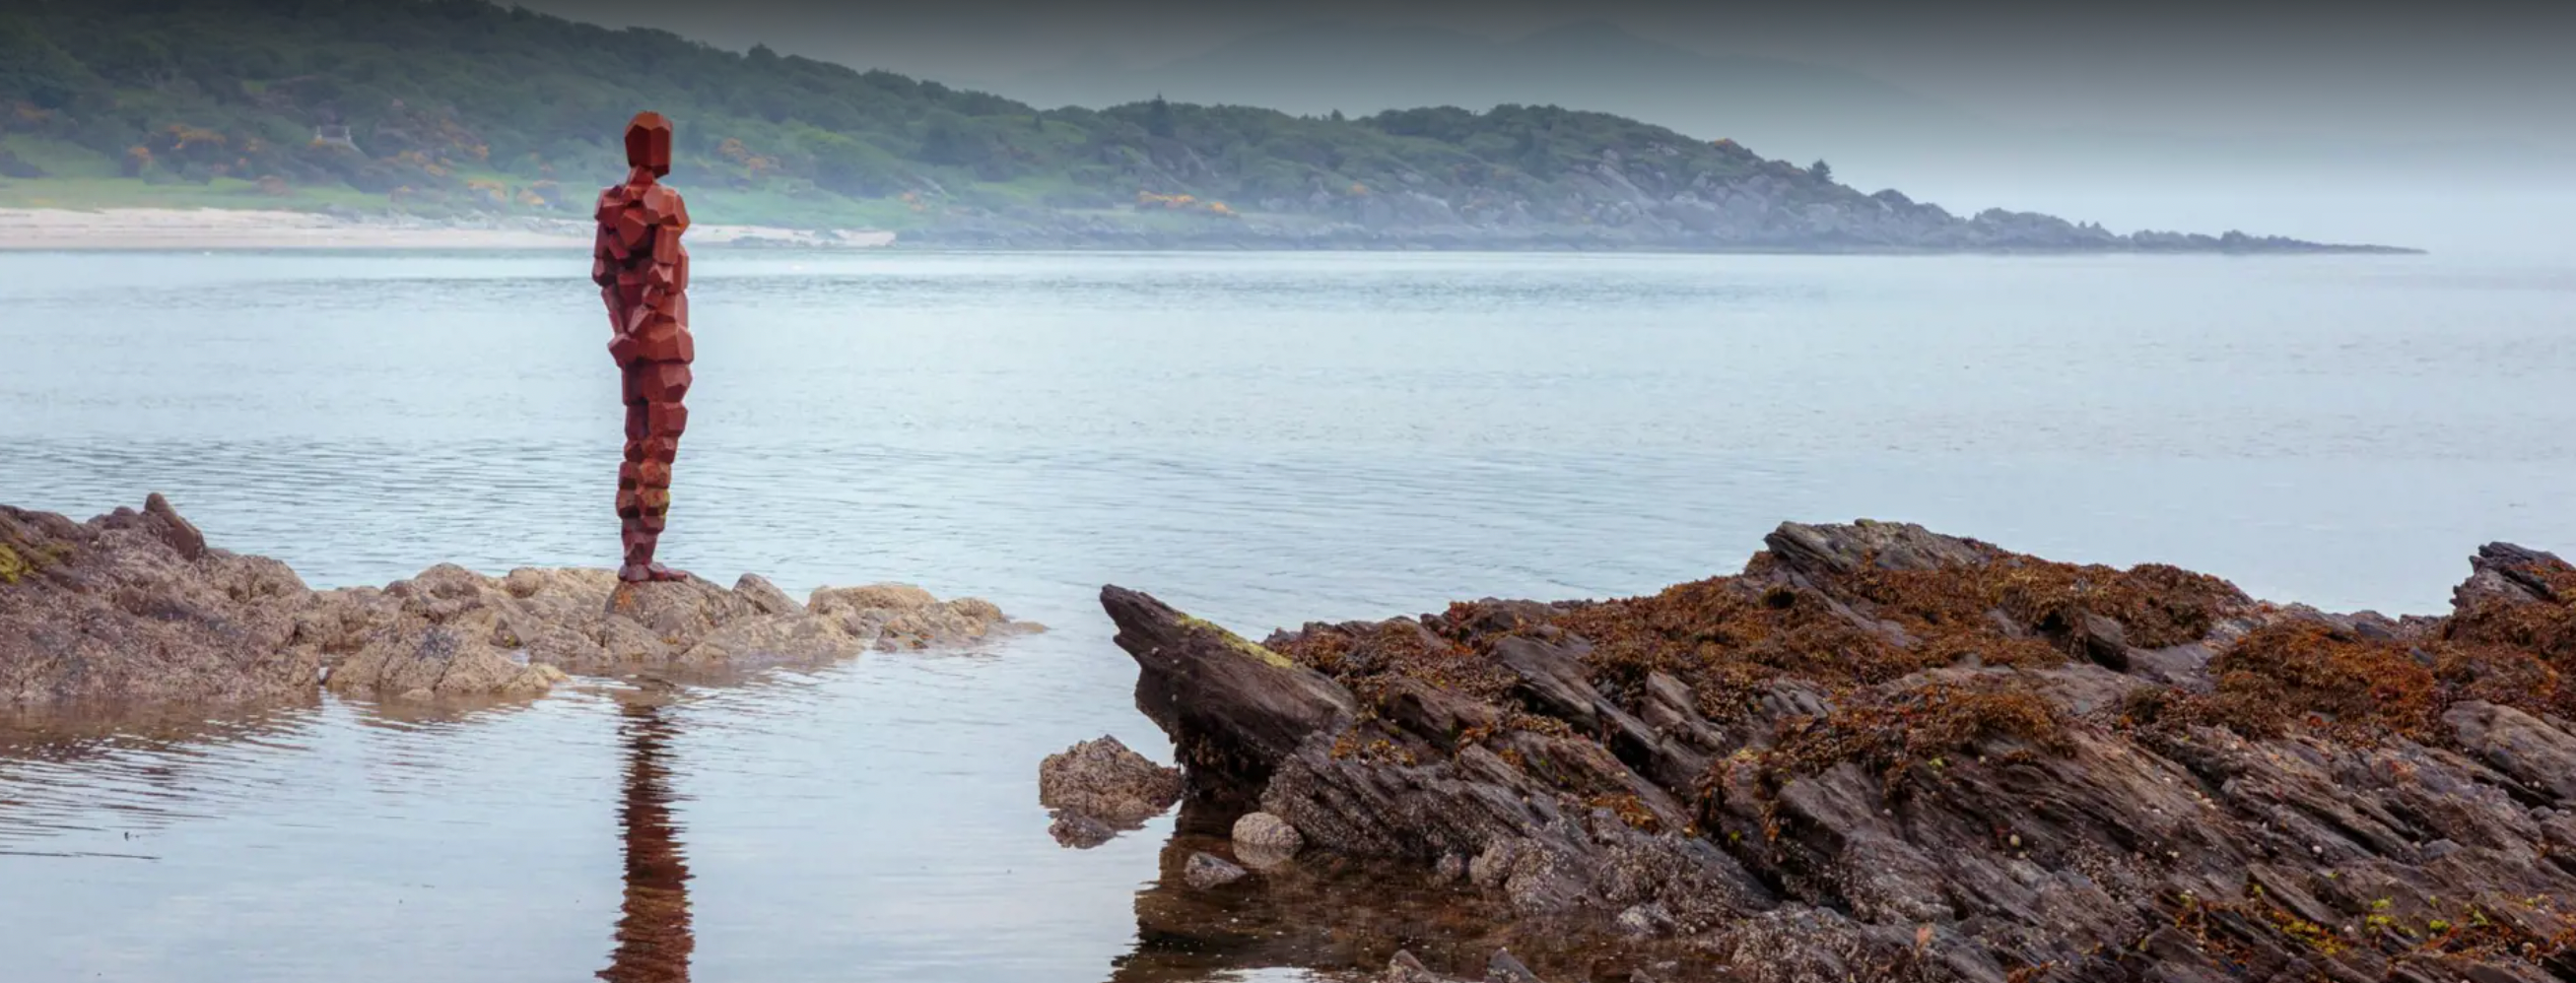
(1261, 440)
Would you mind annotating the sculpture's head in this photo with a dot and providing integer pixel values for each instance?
(648, 143)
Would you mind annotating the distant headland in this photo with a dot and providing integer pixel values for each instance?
(489, 119)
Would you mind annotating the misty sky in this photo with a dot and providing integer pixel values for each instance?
(2476, 70)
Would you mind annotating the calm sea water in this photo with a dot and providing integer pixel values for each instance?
(1259, 439)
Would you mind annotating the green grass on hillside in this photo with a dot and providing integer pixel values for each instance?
(461, 106)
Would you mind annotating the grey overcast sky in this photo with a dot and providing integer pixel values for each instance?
(2475, 69)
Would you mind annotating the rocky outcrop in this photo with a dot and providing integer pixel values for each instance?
(1098, 788)
(586, 621)
(136, 607)
(1885, 753)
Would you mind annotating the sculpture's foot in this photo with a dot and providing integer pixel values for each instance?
(635, 573)
(663, 573)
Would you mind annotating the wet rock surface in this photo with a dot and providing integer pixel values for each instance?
(1100, 788)
(1347, 916)
(1884, 753)
(1502, 968)
(1268, 837)
(134, 607)
(1205, 871)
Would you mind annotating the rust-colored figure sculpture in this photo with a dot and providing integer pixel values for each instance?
(643, 274)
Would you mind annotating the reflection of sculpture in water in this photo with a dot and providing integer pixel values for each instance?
(643, 275)
(653, 937)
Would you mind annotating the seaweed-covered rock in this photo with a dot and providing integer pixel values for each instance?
(134, 606)
(1885, 753)
(1098, 788)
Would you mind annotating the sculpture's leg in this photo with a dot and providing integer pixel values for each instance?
(659, 418)
(634, 543)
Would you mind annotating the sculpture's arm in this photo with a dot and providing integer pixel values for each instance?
(603, 264)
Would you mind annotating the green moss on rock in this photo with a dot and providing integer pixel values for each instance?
(1239, 643)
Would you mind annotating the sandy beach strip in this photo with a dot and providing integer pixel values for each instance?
(196, 229)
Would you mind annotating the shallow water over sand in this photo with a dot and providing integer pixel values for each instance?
(1257, 439)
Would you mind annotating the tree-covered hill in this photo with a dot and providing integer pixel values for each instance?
(449, 107)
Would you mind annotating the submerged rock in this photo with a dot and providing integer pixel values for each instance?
(1335, 913)
(1502, 968)
(1884, 753)
(1505, 969)
(1404, 968)
(1207, 870)
(136, 607)
(1263, 841)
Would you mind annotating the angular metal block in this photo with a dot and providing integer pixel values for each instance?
(663, 382)
(648, 143)
(666, 420)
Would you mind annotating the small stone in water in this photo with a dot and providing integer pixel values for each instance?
(1271, 833)
(1449, 869)
(1505, 969)
(1205, 871)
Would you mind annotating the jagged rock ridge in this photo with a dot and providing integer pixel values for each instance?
(1884, 753)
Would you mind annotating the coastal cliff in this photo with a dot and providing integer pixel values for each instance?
(1884, 753)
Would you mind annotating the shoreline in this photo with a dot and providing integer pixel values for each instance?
(219, 229)
(205, 229)
(1877, 751)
